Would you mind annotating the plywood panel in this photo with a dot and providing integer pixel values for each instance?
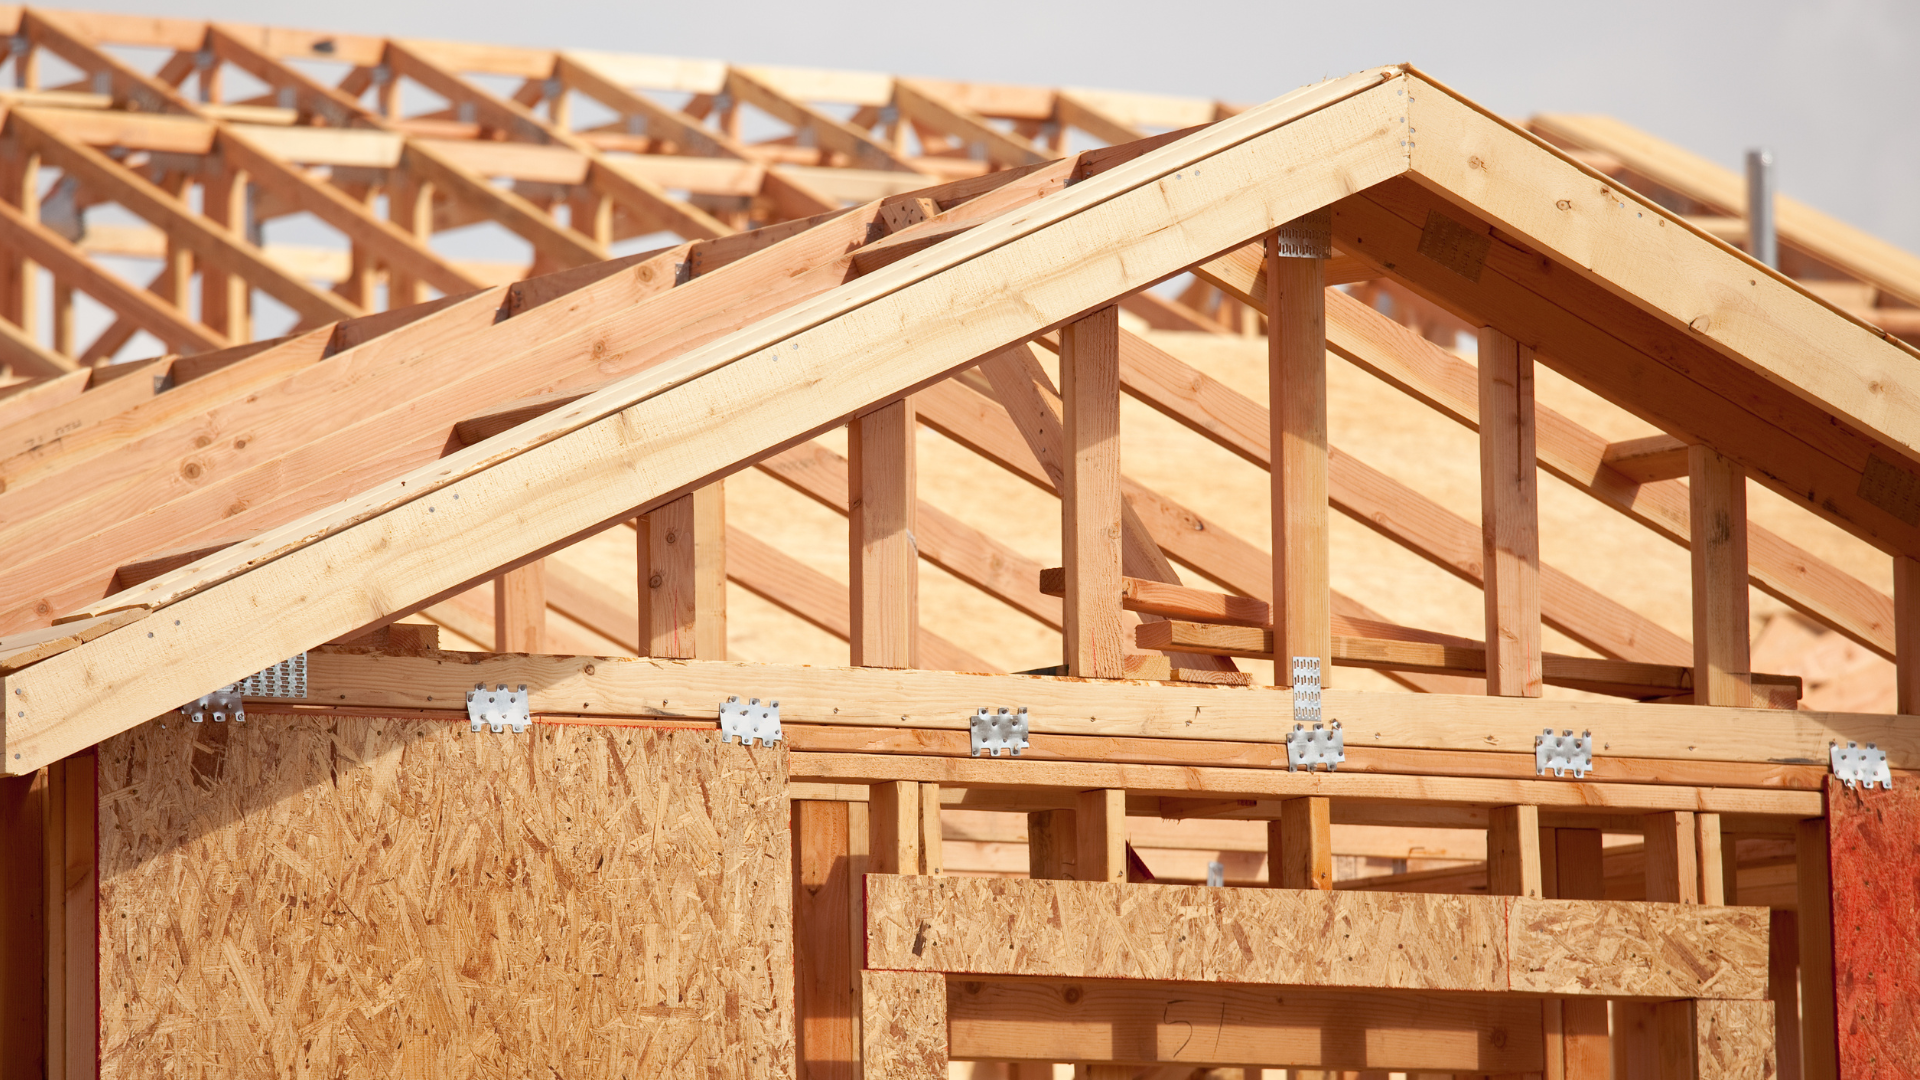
(353, 896)
(1638, 949)
(904, 1021)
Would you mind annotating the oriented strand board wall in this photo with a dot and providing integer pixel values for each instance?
(331, 896)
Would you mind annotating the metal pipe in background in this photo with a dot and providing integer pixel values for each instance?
(1761, 242)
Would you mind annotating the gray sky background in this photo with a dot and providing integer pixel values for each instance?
(1828, 84)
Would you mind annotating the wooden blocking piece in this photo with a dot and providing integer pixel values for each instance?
(1783, 989)
(1101, 822)
(667, 554)
(529, 864)
(903, 1023)
(710, 571)
(1095, 1020)
(1513, 851)
(893, 818)
(1813, 882)
(520, 609)
(1714, 1040)
(823, 962)
(1090, 529)
(1711, 859)
(1297, 382)
(1648, 460)
(883, 566)
(1874, 849)
(931, 860)
(1673, 861)
(1906, 634)
(1509, 516)
(1053, 837)
(1300, 845)
(1717, 489)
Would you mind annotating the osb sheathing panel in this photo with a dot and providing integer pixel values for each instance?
(1303, 937)
(1098, 930)
(358, 897)
(903, 1025)
(1638, 949)
(1734, 1040)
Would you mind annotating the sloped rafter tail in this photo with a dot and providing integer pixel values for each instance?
(719, 408)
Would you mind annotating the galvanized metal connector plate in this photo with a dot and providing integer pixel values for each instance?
(1562, 753)
(1858, 764)
(1316, 746)
(1307, 237)
(750, 721)
(1216, 874)
(1306, 690)
(997, 730)
(286, 679)
(498, 709)
(222, 705)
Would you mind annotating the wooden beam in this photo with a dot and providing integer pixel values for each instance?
(1513, 851)
(1906, 620)
(1648, 460)
(668, 541)
(1090, 506)
(1300, 845)
(1297, 386)
(23, 915)
(1173, 601)
(1819, 1008)
(936, 700)
(710, 572)
(825, 131)
(924, 104)
(932, 854)
(1673, 874)
(1783, 989)
(894, 822)
(1509, 516)
(1100, 930)
(1101, 824)
(1053, 839)
(1720, 625)
(884, 567)
(1711, 861)
(520, 610)
(1584, 1038)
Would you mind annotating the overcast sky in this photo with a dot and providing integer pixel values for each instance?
(1828, 84)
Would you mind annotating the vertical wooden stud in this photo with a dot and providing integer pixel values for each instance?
(1819, 1026)
(1906, 634)
(1587, 1050)
(893, 811)
(931, 860)
(884, 591)
(54, 902)
(1513, 851)
(224, 297)
(20, 174)
(410, 206)
(1101, 821)
(1717, 490)
(1783, 989)
(824, 968)
(1090, 505)
(668, 561)
(1673, 1041)
(63, 318)
(710, 572)
(1711, 859)
(72, 908)
(1510, 516)
(1300, 845)
(1052, 839)
(1297, 387)
(520, 609)
(1673, 864)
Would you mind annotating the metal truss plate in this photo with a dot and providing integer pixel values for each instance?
(286, 679)
(749, 721)
(1309, 236)
(222, 705)
(997, 730)
(1306, 690)
(1563, 753)
(1216, 874)
(1856, 764)
(1316, 746)
(498, 709)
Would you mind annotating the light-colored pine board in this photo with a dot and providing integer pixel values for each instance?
(1510, 516)
(1090, 504)
(658, 855)
(823, 965)
(520, 609)
(1721, 627)
(1100, 821)
(1300, 843)
(1673, 874)
(893, 822)
(884, 568)
(667, 549)
(1297, 386)
(1513, 852)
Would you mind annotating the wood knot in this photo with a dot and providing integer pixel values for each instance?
(1564, 204)
(1474, 162)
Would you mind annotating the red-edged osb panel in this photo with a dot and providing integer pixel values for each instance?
(1875, 845)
